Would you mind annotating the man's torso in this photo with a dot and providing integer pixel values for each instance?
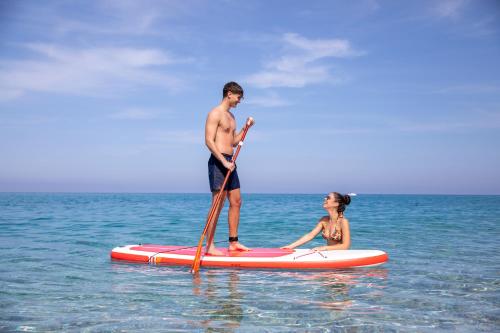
(224, 136)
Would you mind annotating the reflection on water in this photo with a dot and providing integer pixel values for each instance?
(336, 285)
(222, 299)
(228, 310)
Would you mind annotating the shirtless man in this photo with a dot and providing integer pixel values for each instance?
(221, 138)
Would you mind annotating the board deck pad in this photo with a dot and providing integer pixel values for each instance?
(182, 250)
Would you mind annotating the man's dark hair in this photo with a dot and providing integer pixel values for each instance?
(233, 87)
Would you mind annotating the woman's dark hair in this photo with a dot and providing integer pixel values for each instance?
(233, 87)
(343, 201)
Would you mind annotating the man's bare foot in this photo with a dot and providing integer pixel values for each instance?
(236, 246)
(214, 252)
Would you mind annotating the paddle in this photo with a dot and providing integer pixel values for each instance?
(215, 207)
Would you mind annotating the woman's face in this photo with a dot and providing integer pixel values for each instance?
(330, 202)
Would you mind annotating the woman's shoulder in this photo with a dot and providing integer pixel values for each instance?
(344, 220)
(324, 219)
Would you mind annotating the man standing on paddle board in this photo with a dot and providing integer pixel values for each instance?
(221, 138)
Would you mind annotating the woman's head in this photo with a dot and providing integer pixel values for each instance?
(337, 201)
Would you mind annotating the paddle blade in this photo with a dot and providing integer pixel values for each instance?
(197, 258)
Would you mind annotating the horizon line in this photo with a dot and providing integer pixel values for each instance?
(243, 193)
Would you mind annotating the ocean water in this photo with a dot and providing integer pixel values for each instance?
(56, 274)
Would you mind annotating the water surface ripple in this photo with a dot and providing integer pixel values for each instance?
(56, 275)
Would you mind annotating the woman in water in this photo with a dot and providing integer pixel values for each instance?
(334, 226)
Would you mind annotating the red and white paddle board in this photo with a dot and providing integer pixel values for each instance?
(270, 258)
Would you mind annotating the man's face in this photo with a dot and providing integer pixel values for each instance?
(234, 99)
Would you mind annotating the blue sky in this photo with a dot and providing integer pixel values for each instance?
(350, 96)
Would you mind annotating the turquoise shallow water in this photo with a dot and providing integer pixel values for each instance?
(56, 275)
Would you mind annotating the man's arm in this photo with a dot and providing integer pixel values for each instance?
(237, 137)
(211, 126)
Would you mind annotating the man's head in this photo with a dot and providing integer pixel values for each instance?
(233, 92)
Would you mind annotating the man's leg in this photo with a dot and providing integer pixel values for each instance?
(234, 219)
(211, 230)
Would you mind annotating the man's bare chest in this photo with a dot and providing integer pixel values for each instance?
(227, 124)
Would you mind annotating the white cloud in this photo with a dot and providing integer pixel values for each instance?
(95, 71)
(300, 64)
(319, 48)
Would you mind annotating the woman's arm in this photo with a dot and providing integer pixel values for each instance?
(345, 243)
(306, 238)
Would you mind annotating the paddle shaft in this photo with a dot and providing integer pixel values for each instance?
(215, 207)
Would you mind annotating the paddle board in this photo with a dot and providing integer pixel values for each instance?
(269, 258)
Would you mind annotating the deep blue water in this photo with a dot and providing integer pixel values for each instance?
(56, 275)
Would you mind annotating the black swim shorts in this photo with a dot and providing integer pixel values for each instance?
(217, 172)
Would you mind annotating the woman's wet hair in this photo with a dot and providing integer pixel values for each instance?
(343, 201)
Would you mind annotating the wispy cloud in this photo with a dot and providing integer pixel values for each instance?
(271, 100)
(95, 71)
(439, 127)
(178, 137)
(300, 63)
(471, 89)
(107, 17)
(9, 94)
(449, 8)
(137, 114)
(483, 27)
(470, 120)
(475, 26)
